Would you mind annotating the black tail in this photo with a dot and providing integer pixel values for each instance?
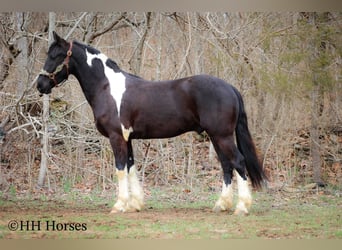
(246, 146)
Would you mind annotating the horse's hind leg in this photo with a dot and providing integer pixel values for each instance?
(225, 201)
(231, 159)
(245, 198)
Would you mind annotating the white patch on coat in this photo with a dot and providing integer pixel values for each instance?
(126, 132)
(117, 81)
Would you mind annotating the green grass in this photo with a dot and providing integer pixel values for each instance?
(173, 214)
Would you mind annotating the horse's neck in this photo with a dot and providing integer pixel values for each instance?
(87, 81)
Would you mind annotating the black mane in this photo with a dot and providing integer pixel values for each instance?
(113, 65)
(110, 62)
(88, 47)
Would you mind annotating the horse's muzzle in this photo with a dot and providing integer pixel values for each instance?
(43, 85)
(43, 91)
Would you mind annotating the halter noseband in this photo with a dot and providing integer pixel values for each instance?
(59, 68)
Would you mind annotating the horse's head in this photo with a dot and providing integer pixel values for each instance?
(56, 67)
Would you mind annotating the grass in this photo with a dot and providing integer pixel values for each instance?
(177, 215)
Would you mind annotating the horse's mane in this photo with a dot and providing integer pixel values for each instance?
(110, 62)
(88, 47)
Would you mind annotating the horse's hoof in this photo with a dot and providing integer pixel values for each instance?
(119, 207)
(222, 206)
(115, 211)
(218, 209)
(240, 212)
(128, 209)
(135, 205)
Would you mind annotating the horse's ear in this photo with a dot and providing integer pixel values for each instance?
(58, 39)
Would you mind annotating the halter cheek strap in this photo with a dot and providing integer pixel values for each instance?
(59, 68)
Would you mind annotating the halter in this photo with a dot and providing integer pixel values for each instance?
(59, 68)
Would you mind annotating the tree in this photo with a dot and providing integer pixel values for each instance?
(319, 62)
(46, 106)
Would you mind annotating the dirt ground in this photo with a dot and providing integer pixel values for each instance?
(286, 214)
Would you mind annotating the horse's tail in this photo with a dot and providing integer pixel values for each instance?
(246, 146)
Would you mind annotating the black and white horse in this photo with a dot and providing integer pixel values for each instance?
(128, 107)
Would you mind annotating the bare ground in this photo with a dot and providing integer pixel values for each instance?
(274, 214)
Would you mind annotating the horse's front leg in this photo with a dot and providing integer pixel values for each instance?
(137, 195)
(119, 146)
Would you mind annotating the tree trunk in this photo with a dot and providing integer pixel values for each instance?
(22, 62)
(46, 106)
(23, 55)
(317, 47)
(315, 145)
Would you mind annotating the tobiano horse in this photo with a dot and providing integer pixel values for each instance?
(127, 107)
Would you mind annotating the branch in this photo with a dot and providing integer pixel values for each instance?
(187, 50)
(33, 82)
(106, 29)
(134, 27)
(4, 122)
(75, 26)
(135, 60)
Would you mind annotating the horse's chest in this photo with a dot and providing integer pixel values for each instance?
(101, 128)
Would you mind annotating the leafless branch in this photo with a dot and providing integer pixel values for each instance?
(106, 29)
(75, 25)
(187, 49)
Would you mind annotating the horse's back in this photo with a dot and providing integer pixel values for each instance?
(208, 102)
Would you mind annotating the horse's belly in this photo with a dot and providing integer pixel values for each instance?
(162, 128)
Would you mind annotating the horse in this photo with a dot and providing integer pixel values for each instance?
(128, 107)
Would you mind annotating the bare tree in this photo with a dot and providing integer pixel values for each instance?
(23, 48)
(46, 107)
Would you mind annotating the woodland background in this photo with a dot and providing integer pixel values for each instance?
(286, 65)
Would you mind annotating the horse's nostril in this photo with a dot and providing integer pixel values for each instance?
(42, 90)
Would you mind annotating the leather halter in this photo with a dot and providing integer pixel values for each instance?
(59, 68)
